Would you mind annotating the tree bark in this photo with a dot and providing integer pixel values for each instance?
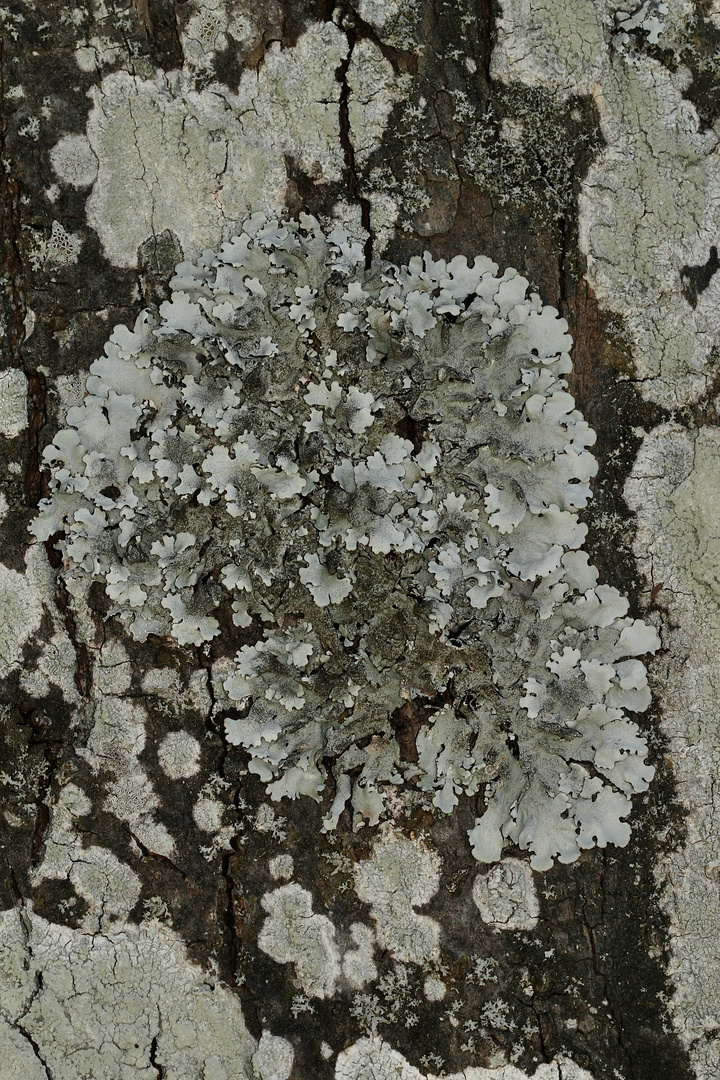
(163, 915)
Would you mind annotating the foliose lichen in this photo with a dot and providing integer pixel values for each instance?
(376, 472)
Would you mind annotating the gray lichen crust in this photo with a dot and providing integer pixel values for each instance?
(378, 473)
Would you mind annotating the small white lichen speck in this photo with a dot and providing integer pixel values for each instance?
(62, 247)
(281, 867)
(74, 161)
(380, 470)
(179, 755)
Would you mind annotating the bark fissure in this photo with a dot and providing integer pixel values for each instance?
(25, 925)
(149, 854)
(229, 916)
(154, 1063)
(346, 142)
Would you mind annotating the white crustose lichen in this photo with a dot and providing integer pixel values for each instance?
(376, 475)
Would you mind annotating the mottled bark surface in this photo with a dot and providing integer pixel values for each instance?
(472, 154)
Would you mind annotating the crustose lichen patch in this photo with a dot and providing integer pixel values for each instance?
(380, 470)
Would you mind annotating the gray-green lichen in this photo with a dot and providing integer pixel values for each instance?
(376, 1058)
(27, 600)
(273, 1059)
(396, 21)
(648, 205)
(379, 472)
(294, 934)
(21, 614)
(210, 28)
(121, 1003)
(108, 886)
(400, 875)
(13, 402)
(74, 160)
(649, 209)
(178, 755)
(166, 152)
(672, 490)
(505, 896)
(114, 746)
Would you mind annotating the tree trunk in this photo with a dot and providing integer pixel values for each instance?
(328, 746)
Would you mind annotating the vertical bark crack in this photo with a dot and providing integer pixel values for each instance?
(159, 1069)
(353, 183)
(36, 1050)
(234, 945)
(25, 925)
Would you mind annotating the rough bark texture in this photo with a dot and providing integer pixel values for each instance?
(578, 146)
